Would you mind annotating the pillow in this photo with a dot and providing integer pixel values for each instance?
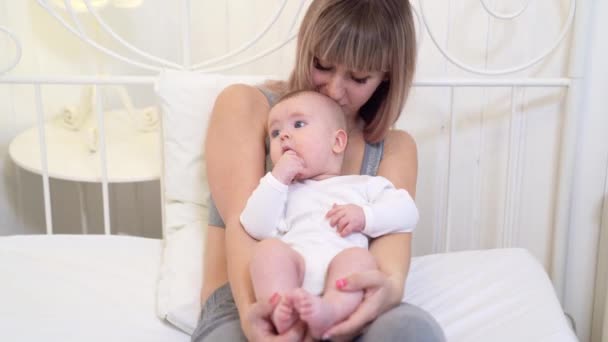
(186, 99)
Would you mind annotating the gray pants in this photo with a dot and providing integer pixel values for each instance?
(219, 321)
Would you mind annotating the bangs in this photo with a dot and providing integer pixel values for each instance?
(337, 40)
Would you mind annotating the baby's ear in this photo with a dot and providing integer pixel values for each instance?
(340, 141)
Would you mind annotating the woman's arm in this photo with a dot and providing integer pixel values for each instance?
(393, 251)
(235, 163)
(214, 259)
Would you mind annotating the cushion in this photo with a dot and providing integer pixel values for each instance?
(186, 100)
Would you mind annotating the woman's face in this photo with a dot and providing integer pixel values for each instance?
(349, 88)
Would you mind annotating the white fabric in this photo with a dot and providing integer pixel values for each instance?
(102, 288)
(296, 215)
(186, 100)
(81, 288)
(488, 295)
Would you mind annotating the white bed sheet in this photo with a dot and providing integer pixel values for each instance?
(488, 295)
(80, 288)
(102, 288)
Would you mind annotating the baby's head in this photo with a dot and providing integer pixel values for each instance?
(313, 126)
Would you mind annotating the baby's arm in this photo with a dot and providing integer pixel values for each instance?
(264, 208)
(390, 210)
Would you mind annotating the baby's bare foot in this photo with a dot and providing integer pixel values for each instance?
(284, 315)
(318, 314)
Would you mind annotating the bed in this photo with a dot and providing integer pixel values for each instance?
(102, 288)
(126, 288)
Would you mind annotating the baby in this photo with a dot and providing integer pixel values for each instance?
(314, 223)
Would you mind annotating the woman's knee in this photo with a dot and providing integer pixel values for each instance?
(404, 323)
(226, 331)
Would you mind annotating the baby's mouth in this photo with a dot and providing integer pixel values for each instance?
(286, 148)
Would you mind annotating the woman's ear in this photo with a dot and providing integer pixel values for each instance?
(340, 141)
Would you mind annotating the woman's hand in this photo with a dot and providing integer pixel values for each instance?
(257, 326)
(380, 295)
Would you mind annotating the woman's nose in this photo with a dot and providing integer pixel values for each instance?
(335, 88)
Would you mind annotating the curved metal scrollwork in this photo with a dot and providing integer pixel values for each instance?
(154, 63)
(491, 12)
(17, 57)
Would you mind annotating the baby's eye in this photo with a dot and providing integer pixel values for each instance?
(299, 124)
(274, 133)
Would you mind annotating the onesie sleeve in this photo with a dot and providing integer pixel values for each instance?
(265, 208)
(389, 210)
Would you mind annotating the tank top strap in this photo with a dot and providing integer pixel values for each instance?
(271, 96)
(371, 158)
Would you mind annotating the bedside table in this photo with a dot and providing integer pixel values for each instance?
(132, 155)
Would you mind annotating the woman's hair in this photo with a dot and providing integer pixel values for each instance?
(367, 36)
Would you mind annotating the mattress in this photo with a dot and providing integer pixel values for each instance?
(103, 288)
(488, 295)
(80, 288)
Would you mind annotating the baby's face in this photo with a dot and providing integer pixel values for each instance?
(301, 124)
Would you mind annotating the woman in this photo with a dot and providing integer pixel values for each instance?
(361, 53)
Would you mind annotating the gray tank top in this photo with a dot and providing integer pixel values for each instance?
(371, 160)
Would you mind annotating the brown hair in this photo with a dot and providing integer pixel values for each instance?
(363, 35)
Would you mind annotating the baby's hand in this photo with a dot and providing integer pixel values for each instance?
(347, 219)
(288, 167)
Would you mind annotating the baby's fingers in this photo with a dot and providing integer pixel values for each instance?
(347, 230)
(342, 223)
(336, 218)
(332, 211)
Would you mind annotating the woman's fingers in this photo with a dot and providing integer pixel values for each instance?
(295, 333)
(367, 280)
(259, 314)
(348, 329)
(373, 282)
(261, 328)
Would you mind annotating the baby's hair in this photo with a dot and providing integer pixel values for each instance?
(338, 116)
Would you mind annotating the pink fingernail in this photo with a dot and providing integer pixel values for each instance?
(340, 283)
(274, 298)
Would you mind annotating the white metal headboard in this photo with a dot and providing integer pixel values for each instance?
(443, 228)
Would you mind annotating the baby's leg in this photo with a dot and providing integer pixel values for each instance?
(321, 313)
(277, 268)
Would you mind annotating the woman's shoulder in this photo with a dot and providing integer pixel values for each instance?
(400, 160)
(240, 92)
(242, 101)
(250, 94)
(399, 141)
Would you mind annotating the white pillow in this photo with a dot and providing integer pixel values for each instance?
(186, 100)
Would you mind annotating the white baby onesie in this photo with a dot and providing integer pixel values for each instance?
(296, 215)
